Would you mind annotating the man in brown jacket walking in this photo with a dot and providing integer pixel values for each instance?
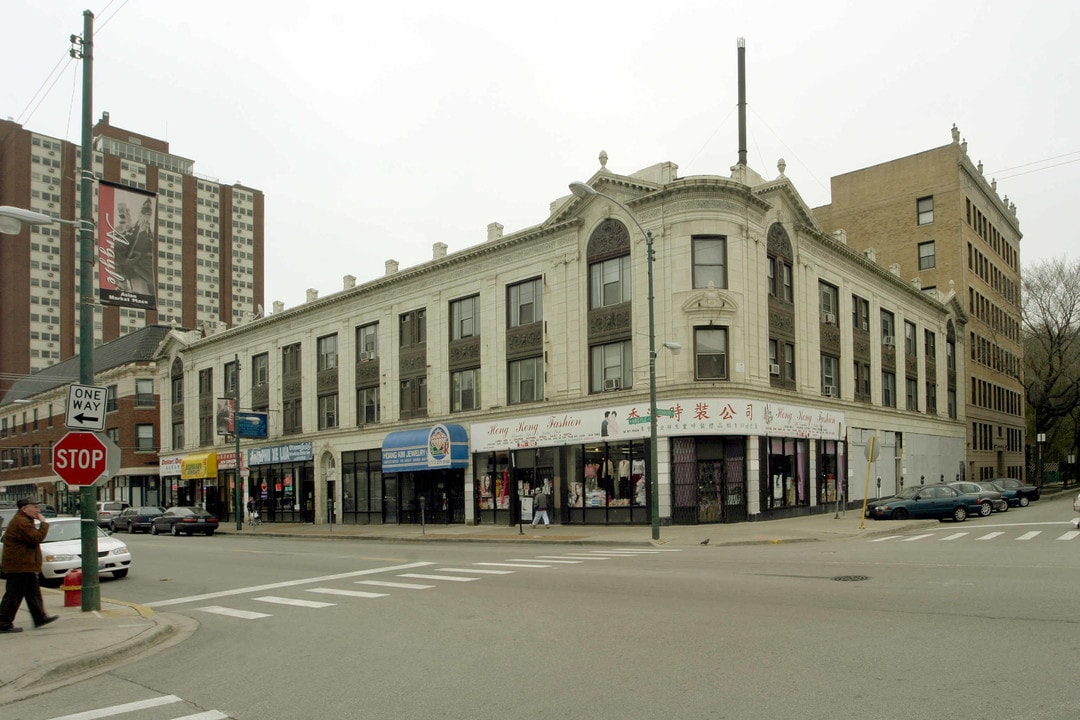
(21, 564)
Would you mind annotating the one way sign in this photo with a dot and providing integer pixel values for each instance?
(86, 407)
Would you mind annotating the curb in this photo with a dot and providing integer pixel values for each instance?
(163, 633)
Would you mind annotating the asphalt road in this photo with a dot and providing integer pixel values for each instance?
(969, 620)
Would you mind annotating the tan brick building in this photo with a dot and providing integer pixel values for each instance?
(935, 219)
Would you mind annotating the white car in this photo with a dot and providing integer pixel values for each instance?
(62, 550)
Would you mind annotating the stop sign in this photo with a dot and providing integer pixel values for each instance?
(79, 458)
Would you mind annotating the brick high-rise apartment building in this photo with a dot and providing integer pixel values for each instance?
(936, 220)
(209, 265)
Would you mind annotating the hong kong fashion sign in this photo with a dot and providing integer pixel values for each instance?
(690, 416)
(127, 247)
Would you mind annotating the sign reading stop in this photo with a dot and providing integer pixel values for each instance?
(80, 458)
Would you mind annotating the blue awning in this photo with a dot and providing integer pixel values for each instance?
(441, 446)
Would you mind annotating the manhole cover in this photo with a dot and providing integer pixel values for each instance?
(850, 578)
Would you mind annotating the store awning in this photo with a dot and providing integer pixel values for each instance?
(441, 446)
(197, 466)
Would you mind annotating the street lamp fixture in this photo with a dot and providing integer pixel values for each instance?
(582, 190)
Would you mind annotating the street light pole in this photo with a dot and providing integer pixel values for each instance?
(582, 190)
(238, 493)
(84, 48)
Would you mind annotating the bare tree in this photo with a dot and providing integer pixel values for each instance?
(1051, 307)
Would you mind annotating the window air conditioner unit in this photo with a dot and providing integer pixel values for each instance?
(888, 340)
(774, 369)
(612, 384)
(367, 355)
(829, 391)
(828, 318)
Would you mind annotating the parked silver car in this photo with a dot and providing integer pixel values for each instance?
(985, 500)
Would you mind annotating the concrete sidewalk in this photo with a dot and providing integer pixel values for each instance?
(825, 526)
(82, 644)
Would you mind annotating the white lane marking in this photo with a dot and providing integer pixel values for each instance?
(510, 564)
(990, 536)
(648, 550)
(610, 553)
(346, 593)
(294, 602)
(287, 583)
(230, 612)
(472, 570)
(403, 586)
(547, 560)
(118, 709)
(1069, 535)
(584, 557)
(913, 538)
(452, 578)
(883, 539)
(954, 536)
(208, 715)
(1029, 535)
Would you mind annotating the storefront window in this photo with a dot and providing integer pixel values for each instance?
(832, 477)
(361, 487)
(608, 484)
(784, 483)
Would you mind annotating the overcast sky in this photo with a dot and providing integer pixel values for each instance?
(378, 129)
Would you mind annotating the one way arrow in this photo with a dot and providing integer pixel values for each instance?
(86, 418)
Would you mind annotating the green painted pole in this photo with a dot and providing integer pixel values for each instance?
(91, 590)
(238, 494)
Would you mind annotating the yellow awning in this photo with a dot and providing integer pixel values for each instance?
(201, 465)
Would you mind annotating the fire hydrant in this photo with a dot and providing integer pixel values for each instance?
(72, 587)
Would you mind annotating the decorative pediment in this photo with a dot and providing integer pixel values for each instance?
(779, 241)
(710, 301)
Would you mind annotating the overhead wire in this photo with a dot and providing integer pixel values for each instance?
(47, 85)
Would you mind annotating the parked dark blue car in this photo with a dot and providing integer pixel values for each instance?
(930, 501)
(1016, 493)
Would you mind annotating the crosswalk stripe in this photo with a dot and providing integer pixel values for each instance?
(510, 564)
(548, 560)
(473, 570)
(346, 593)
(954, 536)
(403, 586)
(990, 536)
(1069, 535)
(584, 557)
(208, 715)
(119, 709)
(294, 602)
(232, 612)
(917, 537)
(883, 539)
(452, 578)
(287, 583)
(1029, 535)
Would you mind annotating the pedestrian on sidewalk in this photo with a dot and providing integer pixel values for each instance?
(540, 509)
(21, 564)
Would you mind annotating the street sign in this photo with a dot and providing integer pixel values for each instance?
(86, 407)
(79, 458)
